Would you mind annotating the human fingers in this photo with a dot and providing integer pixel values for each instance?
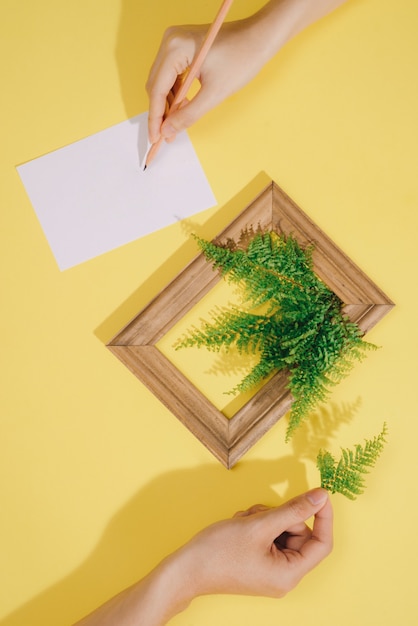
(255, 508)
(321, 540)
(294, 538)
(182, 104)
(177, 49)
(171, 62)
(158, 94)
(293, 513)
(190, 112)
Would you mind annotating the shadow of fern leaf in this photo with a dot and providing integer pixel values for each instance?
(232, 363)
(322, 426)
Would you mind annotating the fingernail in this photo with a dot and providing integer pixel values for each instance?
(317, 496)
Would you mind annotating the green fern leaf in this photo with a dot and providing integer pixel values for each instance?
(302, 330)
(346, 476)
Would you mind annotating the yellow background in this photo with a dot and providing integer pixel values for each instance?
(98, 479)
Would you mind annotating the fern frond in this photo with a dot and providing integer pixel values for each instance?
(258, 373)
(229, 326)
(303, 328)
(346, 476)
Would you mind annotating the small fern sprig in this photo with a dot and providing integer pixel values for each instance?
(346, 476)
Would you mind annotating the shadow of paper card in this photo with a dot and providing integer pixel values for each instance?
(93, 196)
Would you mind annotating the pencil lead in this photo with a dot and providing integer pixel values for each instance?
(145, 167)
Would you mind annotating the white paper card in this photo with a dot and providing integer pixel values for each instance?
(93, 195)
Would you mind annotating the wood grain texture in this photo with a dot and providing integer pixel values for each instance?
(135, 344)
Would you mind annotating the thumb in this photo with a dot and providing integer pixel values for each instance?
(175, 123)
(297, 510)
(189, 112)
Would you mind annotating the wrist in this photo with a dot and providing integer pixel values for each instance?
(278, 21)
(170, 589)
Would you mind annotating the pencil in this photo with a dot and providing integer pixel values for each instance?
(193, 71)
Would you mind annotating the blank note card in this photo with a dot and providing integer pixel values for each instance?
(93, 195)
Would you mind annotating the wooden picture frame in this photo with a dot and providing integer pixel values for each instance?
(135, 345)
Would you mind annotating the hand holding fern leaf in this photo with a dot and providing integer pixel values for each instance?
(261, 551)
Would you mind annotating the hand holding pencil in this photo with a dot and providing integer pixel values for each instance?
(182, 87)
(238, 53)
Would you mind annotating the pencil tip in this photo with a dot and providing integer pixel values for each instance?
(145, 167)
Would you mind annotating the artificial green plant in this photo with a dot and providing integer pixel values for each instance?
(289, 317)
